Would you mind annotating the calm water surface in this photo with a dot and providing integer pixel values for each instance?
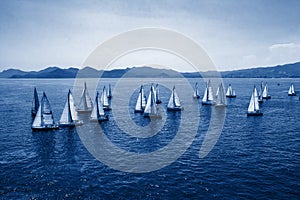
(254, 157)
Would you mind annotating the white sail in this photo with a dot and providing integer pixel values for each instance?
(157, 93)
(291, 90)
(233, 93)
(210, 92)
(251, 104)
(151, 106)
(204, 99)
(265, 91)
(220, 96)
(174, 101)
(85, 103)
(104, 98)
(141, 101)
(196, 91)
(256, 104)
(66, 117)
(38, 118)
(229, 91)
(73, 107)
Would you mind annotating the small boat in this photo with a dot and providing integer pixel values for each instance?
(291, 91)
(35, 103)
(230, 92)
(104, 100)
(265, 94)
(208, 97)
(109, 94)
(69, 117)
(156, 92)
(151, 109)
(220, 97)
(174, 102)
(141, 101)
(196, 92)
(44, 117)
(253, 108)
(260, 96)
(85, 105)
(98, 114)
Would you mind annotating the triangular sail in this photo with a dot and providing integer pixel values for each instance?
(256, 104)
(291, 90)
(265, 91)
(37, 122)
(157, 93)
(210, 92)
(141, 101)
(73, 107)
(171, 103)
(220, 96)
(196, 91)
(150, 108)
(205, 96)
(229, 91)
(66, 116)
(104, 98)
(85, 100)
(109, 94)
(176, 98)
(253, 105)
(35, 102)
(47, 117)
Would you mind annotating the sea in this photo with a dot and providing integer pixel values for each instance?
(247, 158)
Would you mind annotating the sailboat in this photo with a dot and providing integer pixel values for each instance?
(208, 98)
(174, 102)
(253, 108)
(260, 96)
(141, 101)
(196, 92)
(85, 105)
(35, 103)
(109, 94)
(156, 92)
(151, 109)
(265, 94)
(44, 117)
(104, 99)
(69, 117)
(230, 92)
(220, 97)
(98, 114)
(291, 91)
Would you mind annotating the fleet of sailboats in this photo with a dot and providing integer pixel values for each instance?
(35, 103)
(44, 118)
(98, 113)
(196, 91)
(141, 101)
(291, 91)
(69, 117)
(230, 92)
(253, 108)
(85, 104)
(220, 96)
(174, 102)
(208, 97)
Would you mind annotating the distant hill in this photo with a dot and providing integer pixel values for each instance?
(280, 71)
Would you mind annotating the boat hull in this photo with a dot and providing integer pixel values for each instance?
(267, 97)
(196, 97)
(44, 128)
(231, 96)
(106, 108)
(294, 94)
(138, 111)
(158, 102)
(209, 103)
(174, 109)
(100, 119)
(259, 113)
(84, 111)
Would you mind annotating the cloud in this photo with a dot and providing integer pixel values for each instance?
(284, 46)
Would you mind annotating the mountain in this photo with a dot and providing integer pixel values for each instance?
(280, 71)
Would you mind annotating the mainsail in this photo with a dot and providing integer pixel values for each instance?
(291, 91)
(141, 101)
(196, 92)
(174, 102)
(156, 93)
(265, 94)
(98, 112)
(69, 115)
(109, 94)
(220, 96)
(35, 103)
(151, 109)
(85, 104)
(253, 108)
(208, 98)
(104, 99)
(44, 118)
(230, 92)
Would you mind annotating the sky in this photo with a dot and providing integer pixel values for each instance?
(235, 34)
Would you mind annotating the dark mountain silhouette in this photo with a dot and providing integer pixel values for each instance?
(280, 71)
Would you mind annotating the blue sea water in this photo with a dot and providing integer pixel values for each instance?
(254, 157)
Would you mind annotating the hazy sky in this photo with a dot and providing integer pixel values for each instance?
(235, 34)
